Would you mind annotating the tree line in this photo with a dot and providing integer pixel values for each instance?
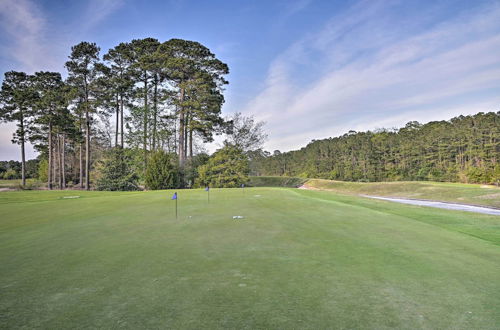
(141, 97)
(463, 149)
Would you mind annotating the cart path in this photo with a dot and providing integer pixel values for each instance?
(441, 205)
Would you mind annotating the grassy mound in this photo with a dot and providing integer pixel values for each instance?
(298, 259)
(276, 181)
(449, 192)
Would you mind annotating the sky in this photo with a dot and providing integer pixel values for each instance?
(310, 69)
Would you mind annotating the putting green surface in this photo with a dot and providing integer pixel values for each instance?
(299, 259)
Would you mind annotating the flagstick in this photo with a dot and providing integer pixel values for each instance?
(176, 198)
(208, 195)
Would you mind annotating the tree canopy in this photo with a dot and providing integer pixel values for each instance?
(463, 149)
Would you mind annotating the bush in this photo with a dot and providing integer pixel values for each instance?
(43, 168)
(115, 172)
(477, 175)
(162, 171)
(30, 185)
(227, 168)
(191, 169)
(10, 174)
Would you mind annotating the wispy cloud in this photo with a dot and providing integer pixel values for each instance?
(359, 69)
(296, 6)
(98, 10)
(24, 26)
(31, 43)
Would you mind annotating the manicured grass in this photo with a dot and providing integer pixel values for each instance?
(448, 192)
(299, 259)
(276, 181)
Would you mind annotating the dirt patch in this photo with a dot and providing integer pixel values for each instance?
(305, 186)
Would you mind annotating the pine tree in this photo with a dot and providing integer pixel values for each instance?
(16, 105)
(83, 74)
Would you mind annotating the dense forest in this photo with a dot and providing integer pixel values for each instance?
(11, 169)
(141, 100)
(463, 149)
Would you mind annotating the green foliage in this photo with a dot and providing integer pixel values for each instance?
(483, 175)
(162, 171)
(190, 171)
(246, 133)
(43, 168)
(275, 181)
(227, 168)
(465, 148)
(116, 171)
(11, 174)
(5, 165)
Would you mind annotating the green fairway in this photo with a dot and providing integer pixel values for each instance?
(475, 194)
(299, 259)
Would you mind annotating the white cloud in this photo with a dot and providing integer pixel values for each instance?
(360, 70)
(30, 46)
(25, 26)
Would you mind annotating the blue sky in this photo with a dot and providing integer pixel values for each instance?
(311, 69)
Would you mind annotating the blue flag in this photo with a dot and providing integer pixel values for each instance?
(174, 196)
(242, 185)
(207, 188)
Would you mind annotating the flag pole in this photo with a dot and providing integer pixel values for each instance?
(175, 197)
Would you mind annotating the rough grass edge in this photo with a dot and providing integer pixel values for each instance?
(276, 181)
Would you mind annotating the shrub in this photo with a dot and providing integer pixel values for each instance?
(115, 172)
(43, 167)
(10, 174)
(162, 171)
(227, 168)
(191, 169)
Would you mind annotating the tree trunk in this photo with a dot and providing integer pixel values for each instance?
(49, 174)
(81, 153)
(87, 151)
(181, 129)
(87, 136)
(121, 119)
(117, 120)
(56, 161)
(63, 162)
(59, 164)
(81, 166)
(155, 111)
(145, 133)
(23, 155)
(186, 128)
(190, 143)
(23, 163)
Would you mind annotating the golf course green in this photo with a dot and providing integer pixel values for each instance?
(297, 259)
